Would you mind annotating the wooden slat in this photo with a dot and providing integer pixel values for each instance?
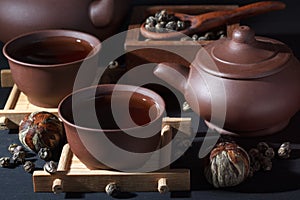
(65, 159)
(63, 166)
(96, 180)
(13, 98)
(6, 78)
(16, 107)
(15, 116)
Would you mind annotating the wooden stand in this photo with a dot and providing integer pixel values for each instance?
(6, 78)
(74, 176)
(16, 107)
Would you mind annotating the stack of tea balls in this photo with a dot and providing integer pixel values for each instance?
(163, 22)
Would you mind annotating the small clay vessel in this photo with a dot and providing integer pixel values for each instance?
(244, 85)
(44, 64)
(113, 126)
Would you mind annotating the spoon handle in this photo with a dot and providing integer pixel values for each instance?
(255, 9)
(218, 18)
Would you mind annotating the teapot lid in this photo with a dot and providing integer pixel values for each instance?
(243, 56)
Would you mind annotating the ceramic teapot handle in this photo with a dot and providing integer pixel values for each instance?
(101, 12)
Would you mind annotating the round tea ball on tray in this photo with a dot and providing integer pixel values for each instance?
(229, 165)
(41, 129)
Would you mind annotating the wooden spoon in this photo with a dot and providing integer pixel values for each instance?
(206, 21)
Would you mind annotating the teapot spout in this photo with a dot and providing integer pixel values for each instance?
(101, 12)
(174, 74)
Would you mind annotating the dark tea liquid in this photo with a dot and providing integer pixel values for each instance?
(141, 111)
(53, 50)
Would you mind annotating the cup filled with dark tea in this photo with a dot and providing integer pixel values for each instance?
(113, 126)
(44, 63)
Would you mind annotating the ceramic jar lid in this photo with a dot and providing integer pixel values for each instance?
(243, 56)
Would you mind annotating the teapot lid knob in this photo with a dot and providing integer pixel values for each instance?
(243, 34)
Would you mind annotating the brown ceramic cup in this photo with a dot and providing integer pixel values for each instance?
(44, 63)
(113, 126)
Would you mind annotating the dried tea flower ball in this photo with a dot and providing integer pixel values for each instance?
(18, 148)
(29, 166)
(4, 161)
(284, 150)
(221, 33)
(19, 157)
(50, 167)
(162, 16)
(150, 27)
(171, 25)
(41, 129)
(185, 106)
(269, 153)
(195, 37)
(254, 154)
(262, 147)
(151, 20)
(160, 27)
(11, 147)
(113, 64)
(266, 164)
(210, 35)
(256, 165)
(202, 38)
(261, 157)
(180, 25)
(229, 165)
(45, 153)
(112, 189)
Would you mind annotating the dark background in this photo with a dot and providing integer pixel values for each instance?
(283, 182)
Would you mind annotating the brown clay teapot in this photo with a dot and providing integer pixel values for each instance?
(98, 17)
(244, 85)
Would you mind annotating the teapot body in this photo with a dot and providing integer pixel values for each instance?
(245, 107)
(243, 85)
(101, 18)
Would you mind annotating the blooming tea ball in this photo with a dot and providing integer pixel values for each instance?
(41, 130)
(229, 165)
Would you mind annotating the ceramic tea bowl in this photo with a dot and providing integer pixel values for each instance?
(44, 63)
(112, 126)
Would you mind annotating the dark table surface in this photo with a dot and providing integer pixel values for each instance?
(282, 182)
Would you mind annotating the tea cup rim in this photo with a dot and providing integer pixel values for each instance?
(139, 88)
(92, 40)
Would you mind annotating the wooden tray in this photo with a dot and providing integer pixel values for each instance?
(141, 51)
(74, 176)
(16, 107)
